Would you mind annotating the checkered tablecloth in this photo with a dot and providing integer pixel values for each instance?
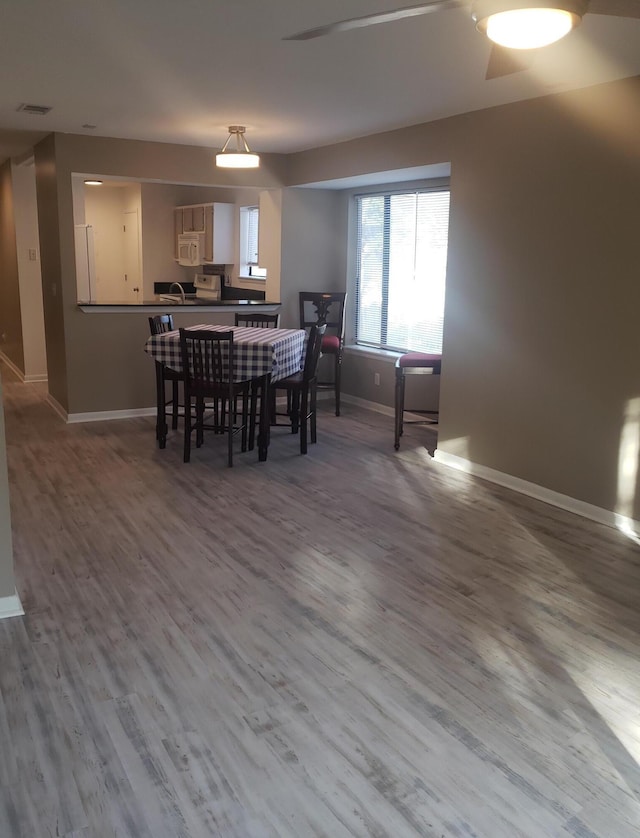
(257, 351)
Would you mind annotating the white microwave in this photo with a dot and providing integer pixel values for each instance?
(189, 249)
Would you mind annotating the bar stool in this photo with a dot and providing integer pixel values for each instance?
(327, 308)
(414, 363)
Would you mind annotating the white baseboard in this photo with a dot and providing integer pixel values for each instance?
(586, 510)
(14, 369)
(106, 415)
(56, 407)
(384, 409)
(26, 379)
(532, 490)
(133, 413)
(99, 415)
(10, 606)
(378, 408)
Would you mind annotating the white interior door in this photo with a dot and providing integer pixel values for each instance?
(132, 273)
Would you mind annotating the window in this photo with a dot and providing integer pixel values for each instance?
(253, 222)
(249, 228)
(401, 269)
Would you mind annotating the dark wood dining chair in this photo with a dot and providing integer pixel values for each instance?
(413, 363)
(301, 389)
(258, 320)
(208, 364)
(327, 309)
(159, 324)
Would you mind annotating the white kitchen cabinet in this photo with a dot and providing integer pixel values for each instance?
(187, 219)
(214, 223)
(193, 219)
(210, 237)
(178, 228)
(197, 218)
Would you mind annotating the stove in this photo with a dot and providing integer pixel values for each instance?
(208, 287)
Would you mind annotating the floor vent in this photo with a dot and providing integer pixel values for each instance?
(40, 110)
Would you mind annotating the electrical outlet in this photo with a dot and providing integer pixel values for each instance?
(376, 379)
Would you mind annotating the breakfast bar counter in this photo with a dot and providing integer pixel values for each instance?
(155, 305)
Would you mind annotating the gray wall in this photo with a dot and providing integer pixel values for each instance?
(541, 352)
(10, 319)
(25, 212)
(313, 227)
(7, 581)
(313, 236)
(541, 359)
(50, 266)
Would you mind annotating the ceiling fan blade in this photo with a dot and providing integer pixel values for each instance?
(505, 62)
(370, 20)
(615, 8)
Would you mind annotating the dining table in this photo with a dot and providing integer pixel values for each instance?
(261, 355)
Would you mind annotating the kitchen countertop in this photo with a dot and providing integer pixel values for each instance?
(156, 304)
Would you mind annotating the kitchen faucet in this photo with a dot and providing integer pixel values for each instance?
(181, 289)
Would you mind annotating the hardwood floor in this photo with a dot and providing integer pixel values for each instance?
(357, 642)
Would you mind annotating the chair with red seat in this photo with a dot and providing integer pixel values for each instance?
(413, 363)
(301, 390)
(318, 309)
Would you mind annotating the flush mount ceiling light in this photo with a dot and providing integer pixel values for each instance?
(240, 157)
(93, 182)
(527, 24)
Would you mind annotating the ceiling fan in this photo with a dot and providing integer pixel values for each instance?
(516, 27)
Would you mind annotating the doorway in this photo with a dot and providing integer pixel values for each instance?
(132, 278)
(111, 214)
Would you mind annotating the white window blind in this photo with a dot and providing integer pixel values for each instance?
(253, 223)
(401, 270)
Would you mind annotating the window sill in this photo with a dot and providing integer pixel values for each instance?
(252, 278)
(371, 352)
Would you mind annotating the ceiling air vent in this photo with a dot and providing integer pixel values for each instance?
(40, 110)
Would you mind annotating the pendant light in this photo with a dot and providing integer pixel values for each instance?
(527, 24)
(240, 157)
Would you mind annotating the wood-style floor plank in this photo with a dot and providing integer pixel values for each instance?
(359, 642)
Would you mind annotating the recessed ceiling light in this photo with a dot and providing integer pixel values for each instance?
(93, 182)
